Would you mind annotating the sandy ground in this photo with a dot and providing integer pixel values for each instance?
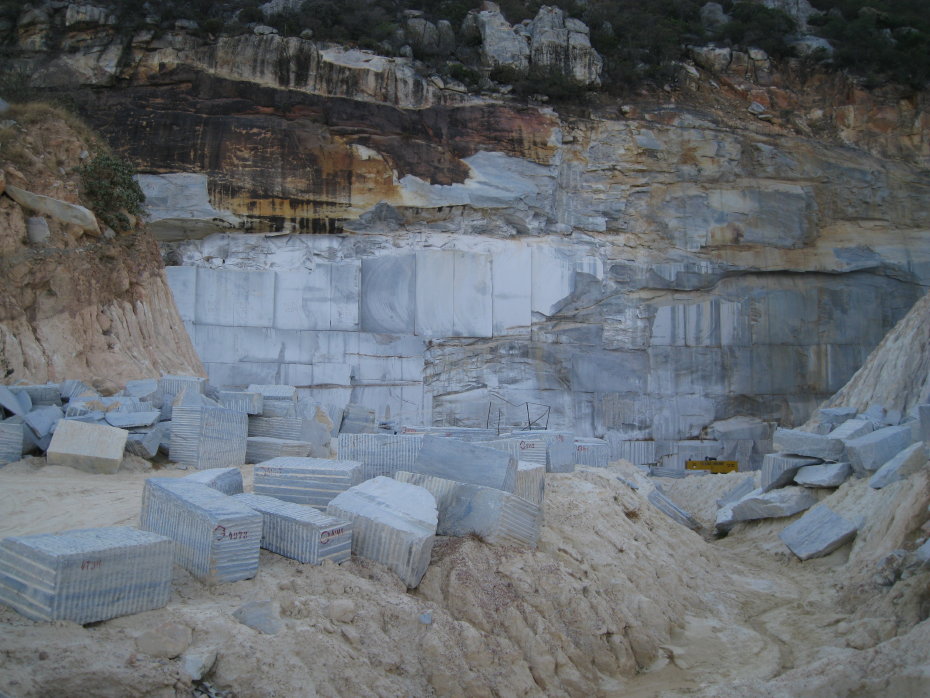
(618, 600)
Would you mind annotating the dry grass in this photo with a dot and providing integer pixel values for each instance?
(32, 113)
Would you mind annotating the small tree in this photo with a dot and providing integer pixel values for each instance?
(109, 190)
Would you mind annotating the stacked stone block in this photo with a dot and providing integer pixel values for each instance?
(380, 454)
(310, 481)
(208, 437)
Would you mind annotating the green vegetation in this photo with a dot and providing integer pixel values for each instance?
(109, 190)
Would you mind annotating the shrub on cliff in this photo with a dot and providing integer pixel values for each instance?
(109, 190)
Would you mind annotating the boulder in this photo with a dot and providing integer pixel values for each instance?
(62, 211)
(804, 443)
(834, 416)
(467, 462)
(852, 429)
(868, 453)
(819, 532)
(907, 462)
(778, 469)
(262, 616)
(95, 448)
(773, 505)
(37, 231)
(166, 641)
(826, 475)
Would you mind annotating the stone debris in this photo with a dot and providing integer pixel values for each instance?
(595, 452)
(11, 442)
(852, 429)
(216, 538)
(868, 453)
(907, 462)
(86, 575)
(261, 448)
(169, 386)
(527, 450)
(560, 449)
(804, 443)
(144, 389)
(208, 437)
(380, 454)
(661, 502)
(310, 481)
(826, 475)
(242, 401)
(779, 469)
(262, 616)
(133, 420)
(531, 482)
(95, 448)
(774, 504)
(300, 532)
(466, 462)
(144, 444)
(225, 480)
(393, 523)
(198, 662)
(166, 641)
(496, 516)
(819, 532)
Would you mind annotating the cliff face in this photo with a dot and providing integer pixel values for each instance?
(641, 271)
(76, 303)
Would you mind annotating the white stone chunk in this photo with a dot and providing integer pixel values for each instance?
(868, 453)
(11, 403)
(87, 575)
(826, 475)
(225, 480)
(819, 532)
(216, 538)
(560, 448)
(90, 447)
(909, 461)
(392, 523)
(852, 429)
(42, 420)
(496, 516)
(234, 298)
(775, 504)
(835, 416)
(310, 481)
(466, 462)
(262, 448)
(208, 437)
(531, 482)
(804, 443)
(778, 469)
(300, 532)
(11, 442)
(380, 454)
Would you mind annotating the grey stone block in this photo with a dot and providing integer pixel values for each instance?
(37, 231)
(262, 448)
(95, 448)
(852, 429)
(279, 408)
(834, 416)
(636, 452)
(923, 414)
(741, 429)
(208, 437)
(527, 450)
(392, 523)
(380, 454)
(466, 462)
(133, 420)
(300, 532)
(779, 469)
(907, 462)
(11, 403)
(868, 453)
(661, 502)
(826, 475)
(464, 509)
(144, 445)
(216, 538)
(143, 389)
(531, 482)
(262, 616)
(11, 442)
(803, 443)
(357, 419)
(819, 532)
(86, 575)
(169, 386)
(560, 447)
(43, 420)
(733, 495)
(287, 393)
(461, 433)
(594, 452)
(241, 401)
(876, 415)
(225, 480)
(773, 505)
(310, 481)
(45, 394)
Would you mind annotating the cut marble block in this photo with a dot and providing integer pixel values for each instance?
(143, 389)
(852, 429)
(466, 462)
(169, 386)
(216, 538)
(773, 505)
(636, 452)
(95, 448)
(460, 433)
(560, 448)
(661, 502)
(835, 416)
(208, 437)
(291, 428)
(132, 420)
(241, 401)
(144, 445)
(225, 480)
(47, 394)
(907, 462)
(392, 523)
(528, 450)
(804, 443)
(870, 452)
(778, 469)
(496, 516)
(819, 532)
(380, 454)
(274, 392)
(826, 475)
(12, 404)
(531, 482)
(594, 452)
(43, 420)
(262, 448)
(357, 419)
(300, 532)
(737, 492)
(310, 481)
(86, 575)
(279, 408)
(11, 442)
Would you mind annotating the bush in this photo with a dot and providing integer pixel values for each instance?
(757, 26)
(109, 190)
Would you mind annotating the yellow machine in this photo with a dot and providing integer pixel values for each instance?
(713, 465)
